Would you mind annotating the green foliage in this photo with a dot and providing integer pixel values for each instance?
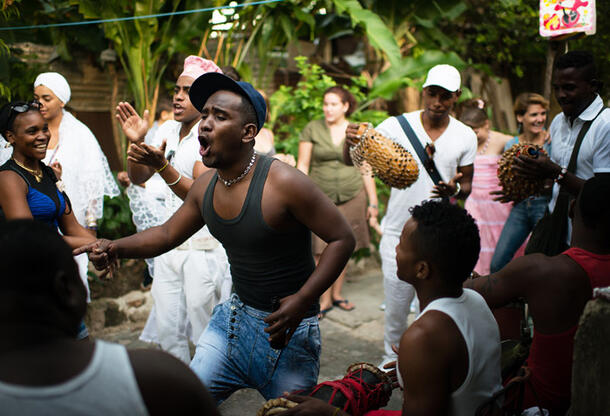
(292, 108)
(378, 34)
(116, 222)
(501, 34)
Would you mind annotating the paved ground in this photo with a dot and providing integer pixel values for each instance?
(347, 337)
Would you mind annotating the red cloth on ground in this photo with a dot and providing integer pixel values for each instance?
(597, 266)
(550, 357)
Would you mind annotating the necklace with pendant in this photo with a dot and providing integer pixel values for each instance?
(36, 174)
(230, 182)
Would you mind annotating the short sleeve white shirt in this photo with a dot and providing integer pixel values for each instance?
(594, 153)
(182, 155)
(456, 147)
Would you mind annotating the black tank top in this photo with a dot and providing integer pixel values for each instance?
(264, 262)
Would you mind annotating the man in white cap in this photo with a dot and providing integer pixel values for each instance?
(192, 278)
(451, 146)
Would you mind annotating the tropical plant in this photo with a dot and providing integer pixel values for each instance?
(145, 46)
(293, 107)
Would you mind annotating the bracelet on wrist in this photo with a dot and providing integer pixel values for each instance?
(176, 181)
(163, 168)
(458, 188)
(373, 206)
(561, 174)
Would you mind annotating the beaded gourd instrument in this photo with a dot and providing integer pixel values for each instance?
(364, 388)
(517, 188)
(377, 155)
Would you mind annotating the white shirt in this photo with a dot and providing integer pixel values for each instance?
(480, 332)
(107, 386)
(182, 155)
(456, 147)
(594, 153)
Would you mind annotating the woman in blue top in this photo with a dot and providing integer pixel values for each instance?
(531, 112)
(29, 188)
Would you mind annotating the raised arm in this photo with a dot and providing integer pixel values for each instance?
(135, 129)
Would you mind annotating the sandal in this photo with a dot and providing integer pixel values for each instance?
(323, 312)
(343, 304)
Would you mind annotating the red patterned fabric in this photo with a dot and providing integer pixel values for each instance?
(358, 392)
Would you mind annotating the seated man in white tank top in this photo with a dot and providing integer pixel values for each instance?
(45, 370)
(449, 358)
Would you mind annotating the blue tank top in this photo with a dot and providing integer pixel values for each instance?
(46, 202)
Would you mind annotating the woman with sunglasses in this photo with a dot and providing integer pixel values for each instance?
(28, 187)
(72, 146)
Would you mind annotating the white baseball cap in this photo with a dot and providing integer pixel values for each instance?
(444, 76)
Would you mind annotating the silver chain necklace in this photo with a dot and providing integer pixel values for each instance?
(230, 182)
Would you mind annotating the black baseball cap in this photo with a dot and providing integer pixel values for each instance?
(211, 82)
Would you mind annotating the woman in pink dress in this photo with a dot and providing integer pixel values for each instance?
(489, 214)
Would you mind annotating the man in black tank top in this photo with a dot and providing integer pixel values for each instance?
(266, 336)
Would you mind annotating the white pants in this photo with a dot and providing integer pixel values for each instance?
(398, 296)
(199, 279)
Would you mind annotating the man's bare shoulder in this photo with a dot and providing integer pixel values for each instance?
(202, 182)
(429, 334)
(167, 385)
(287, 178)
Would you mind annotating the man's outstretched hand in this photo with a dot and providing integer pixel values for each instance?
(148, 155)
(446, 190)
(134, 126)
(102, 253)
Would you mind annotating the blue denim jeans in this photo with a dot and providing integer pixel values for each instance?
(519, 224)
(234, 352)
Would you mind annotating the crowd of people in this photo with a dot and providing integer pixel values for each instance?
(247, 253)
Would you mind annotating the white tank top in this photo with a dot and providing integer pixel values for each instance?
(480, 332)
(107, 386)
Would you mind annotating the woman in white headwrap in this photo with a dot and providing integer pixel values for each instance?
(84, 167)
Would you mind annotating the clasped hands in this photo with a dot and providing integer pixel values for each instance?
(103, 254)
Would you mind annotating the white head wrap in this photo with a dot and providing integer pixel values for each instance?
(56, 83)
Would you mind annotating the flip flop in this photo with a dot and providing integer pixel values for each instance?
(342, 304)
(323, 312)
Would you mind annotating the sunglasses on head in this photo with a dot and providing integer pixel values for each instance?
(20, 108)
(25, 107)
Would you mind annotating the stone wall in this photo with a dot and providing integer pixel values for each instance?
(591, 367)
